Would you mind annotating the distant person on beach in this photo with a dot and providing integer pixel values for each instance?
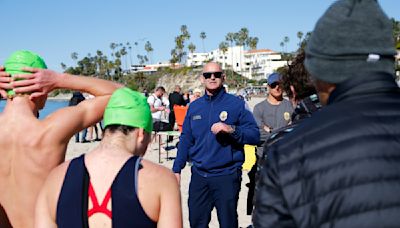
(145, 93)
(196, 94)
(157, 107)
(77, 97)
(96, 128)
(340, 167)
(174, 98)
(31, 148)
(274, 112)
(186, 97)
(216, 127)
(113, 186)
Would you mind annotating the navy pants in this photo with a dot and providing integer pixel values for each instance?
(221, 192)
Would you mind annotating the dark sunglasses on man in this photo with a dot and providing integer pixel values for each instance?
(273, 85)
(207, 75)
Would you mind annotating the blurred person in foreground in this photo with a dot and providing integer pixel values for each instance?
(31, 148)
(216, 127)
(112, 186)
(340, 167)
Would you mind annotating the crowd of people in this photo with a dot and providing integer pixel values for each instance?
(327, 154)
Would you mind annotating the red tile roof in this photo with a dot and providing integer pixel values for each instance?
(259, 51)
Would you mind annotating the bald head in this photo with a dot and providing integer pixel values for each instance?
(212, 77)
(212, 67)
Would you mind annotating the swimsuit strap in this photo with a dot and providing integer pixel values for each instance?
(96, 207)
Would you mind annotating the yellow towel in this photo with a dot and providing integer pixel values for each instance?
(250, 156)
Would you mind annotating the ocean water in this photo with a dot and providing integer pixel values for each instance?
(51, 106)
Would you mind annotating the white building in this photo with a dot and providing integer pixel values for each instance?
(232, 57)
(197, 59)
(151, 67)
(253, 64)
(261, 63)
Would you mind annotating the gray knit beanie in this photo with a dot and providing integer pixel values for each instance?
(352, 37)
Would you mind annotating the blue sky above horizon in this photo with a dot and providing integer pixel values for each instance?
(55, 29)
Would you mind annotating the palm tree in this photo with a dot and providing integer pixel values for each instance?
(282, 44)
(203, 36)
(149, 49)
(63, 66)
(230, 37)
(113, 45)
(241, 38)
(130, 52)
(179, 46)
(99, 61)
(184, 32)
(300, 36)
(123, 54)
(286, 41)
(74, 56)
(142, 59)
(223, 47)
(178, 53)
(174, 57)
(191, 47)
(252, 42)
(136, 47)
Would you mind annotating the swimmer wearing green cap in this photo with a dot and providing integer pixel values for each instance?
(20, 59)
(115, 169)
(31, 147)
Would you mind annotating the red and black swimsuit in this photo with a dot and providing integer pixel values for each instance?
(72, 207)
(96, 207)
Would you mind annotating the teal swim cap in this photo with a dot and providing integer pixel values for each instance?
(130, 108)
(20, 59)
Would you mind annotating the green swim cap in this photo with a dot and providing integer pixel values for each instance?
(20, 59)
(130, 108)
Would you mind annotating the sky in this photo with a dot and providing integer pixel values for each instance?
(55, 29)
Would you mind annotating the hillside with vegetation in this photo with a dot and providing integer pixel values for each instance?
(187, 77)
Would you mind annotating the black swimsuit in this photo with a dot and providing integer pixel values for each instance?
(72, 207)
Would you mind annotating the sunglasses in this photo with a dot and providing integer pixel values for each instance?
(207, 75)
(273, 85)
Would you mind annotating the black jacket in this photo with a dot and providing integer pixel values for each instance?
(175, 98)
(339, 168)
(77, 97)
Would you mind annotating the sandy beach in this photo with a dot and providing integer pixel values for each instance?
(76, 149)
